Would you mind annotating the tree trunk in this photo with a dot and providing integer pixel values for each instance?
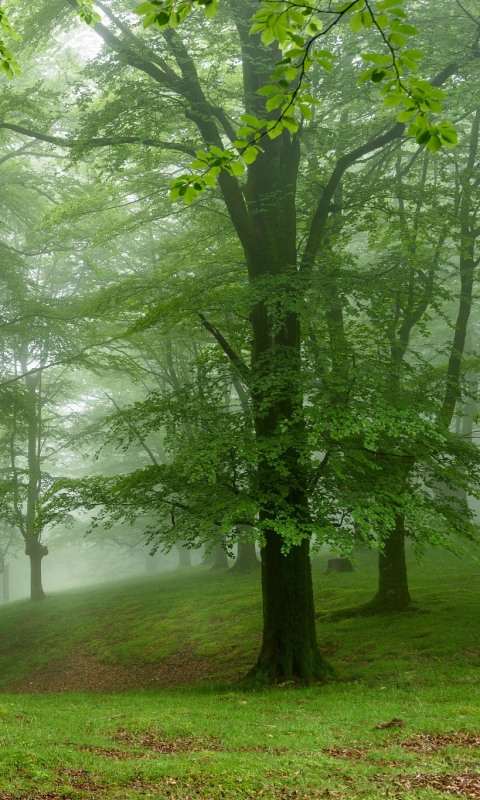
(36, 552)
(152, 562)
(208, 558)
(247, 560)
(6, 582)
(184, 559)
(221, 558)
(289, 647)
(392, 594)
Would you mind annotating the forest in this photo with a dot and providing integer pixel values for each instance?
(239, 360)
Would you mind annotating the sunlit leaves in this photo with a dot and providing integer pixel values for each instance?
(8, 65)
(87, 12)
(170, 13)
(297, 28)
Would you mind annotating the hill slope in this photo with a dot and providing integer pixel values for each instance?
(197, 626)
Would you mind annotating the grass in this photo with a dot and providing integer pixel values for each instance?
(217, 741)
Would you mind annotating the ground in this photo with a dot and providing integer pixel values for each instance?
(89, 714)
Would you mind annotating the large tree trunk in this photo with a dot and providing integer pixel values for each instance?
(289, 647)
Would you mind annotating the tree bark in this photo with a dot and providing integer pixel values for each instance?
(36, 552)
(289, 647)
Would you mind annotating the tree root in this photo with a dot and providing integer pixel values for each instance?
(371, 608)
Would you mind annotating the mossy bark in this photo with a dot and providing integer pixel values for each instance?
(289, 647)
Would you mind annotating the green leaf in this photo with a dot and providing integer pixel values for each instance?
(448, 136)
(376, 58)
(253, 121)
(434, 144)
(406, 116)
(290, 123)
(274, 102)
(314, 26)
(325, 64)
(267, 90)
(378, 75)
(423, 136)
(238, 168)
(145, 8)
(250, 155)
(211, 9)
(397, 39)
(417, 55)
(190, 194)
(356, 23)
(305, 110)
(367, 19)
(433, 105)
(408, 30)
(382, 21)
(296, 16)
(393, 99)
(268, 36)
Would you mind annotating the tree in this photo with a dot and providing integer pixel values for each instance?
(264, 212)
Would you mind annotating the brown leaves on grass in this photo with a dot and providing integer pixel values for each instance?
(356, 753)
(429, 742)
(463, 785)
(156, 741)
(79, 779)
(210, 789)
(107, 752)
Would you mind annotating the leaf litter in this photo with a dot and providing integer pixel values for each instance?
(155, 740)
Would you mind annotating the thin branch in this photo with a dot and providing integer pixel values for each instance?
(236, 360)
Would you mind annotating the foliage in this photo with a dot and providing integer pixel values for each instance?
(298, 28)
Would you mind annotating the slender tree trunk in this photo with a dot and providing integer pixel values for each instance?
(34, 549)
(6, 582)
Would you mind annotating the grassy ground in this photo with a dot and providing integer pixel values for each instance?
(215, 741)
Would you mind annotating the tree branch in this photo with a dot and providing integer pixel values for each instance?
(99, 141)
(317, 227)
(236, 360)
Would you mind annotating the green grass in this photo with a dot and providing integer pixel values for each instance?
(421, 666)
